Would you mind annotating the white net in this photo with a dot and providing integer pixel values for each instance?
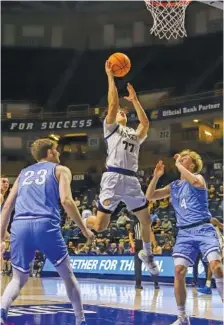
(169, 18)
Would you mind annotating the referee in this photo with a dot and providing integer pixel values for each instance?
(136, 244)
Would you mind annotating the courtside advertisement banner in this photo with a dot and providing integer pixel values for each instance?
(119, 265)
(207, 105)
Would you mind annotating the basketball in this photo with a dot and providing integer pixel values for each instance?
(121, 64)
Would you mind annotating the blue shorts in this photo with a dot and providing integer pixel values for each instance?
(202, 239)
(29, 235)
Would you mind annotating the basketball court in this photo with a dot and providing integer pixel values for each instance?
(43, 301)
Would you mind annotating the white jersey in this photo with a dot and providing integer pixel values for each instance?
(123, 146)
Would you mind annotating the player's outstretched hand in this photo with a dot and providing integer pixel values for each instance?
(109, 68)
(177, 157)
(2, 248)
(89, 235)
(132, 94)
(159, 170)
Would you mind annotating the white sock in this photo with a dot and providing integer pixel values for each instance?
(147, 247)
(13, 288)
(181, 311)
(208, 283)
(72, 289)
(219, 286)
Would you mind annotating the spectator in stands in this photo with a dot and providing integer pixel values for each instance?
(121, 249)
(70, 248)
(211, 192)
(163, 204)
(220, 193)
(4, 188)
(85, 201)
(6, 266)
(154, 216)
(77, 202)
(156, 248)
(85, 250)
(167, 246)
(123, 219)
(166, 224)
(102, 250)
(36, 266)
(113, 249)
(68, 223)
(157, 228)
(94, 203)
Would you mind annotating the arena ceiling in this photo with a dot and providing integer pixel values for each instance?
(55, 6)
(15, 6)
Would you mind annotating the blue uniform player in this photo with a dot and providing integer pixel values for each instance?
(36, 224)
(195, 232)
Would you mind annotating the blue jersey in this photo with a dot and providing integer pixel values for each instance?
(38, 192)
(190, 203)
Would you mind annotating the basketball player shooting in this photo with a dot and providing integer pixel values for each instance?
(195, 232)
(119, 182)
(36, 223)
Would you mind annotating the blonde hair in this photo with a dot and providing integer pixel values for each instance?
(196, 158)
(40, 147)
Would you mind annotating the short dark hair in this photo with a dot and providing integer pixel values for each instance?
(40, 147)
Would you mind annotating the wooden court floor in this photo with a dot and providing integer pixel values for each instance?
(120, 295)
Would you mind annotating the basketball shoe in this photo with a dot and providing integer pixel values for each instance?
(149, 262)
(182, 321)
(206, 290)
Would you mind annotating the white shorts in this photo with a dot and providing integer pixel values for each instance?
(117, 187)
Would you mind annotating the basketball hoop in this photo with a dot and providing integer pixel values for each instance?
(169, 18)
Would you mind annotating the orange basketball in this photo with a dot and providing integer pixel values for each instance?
(121, 64)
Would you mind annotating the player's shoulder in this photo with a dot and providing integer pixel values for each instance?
(63, 169)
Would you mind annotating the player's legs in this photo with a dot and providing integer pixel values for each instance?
(72, 289)
(109, 198)
(185, 253)
(49, 240)
(215, 264)
(137, 202)
(12, 291)
(146, 254)
(100, 222)
(22, 252)
(210, 248)
(145, 223)
(181, 266)
(209, 277)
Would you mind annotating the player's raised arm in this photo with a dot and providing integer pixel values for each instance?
(191, 177)
(143, 119)
(8, 208)
(113, 99)
(64, 177)
(152, 193)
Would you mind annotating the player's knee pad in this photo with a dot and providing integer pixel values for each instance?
(181, 261)
(214, 256)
